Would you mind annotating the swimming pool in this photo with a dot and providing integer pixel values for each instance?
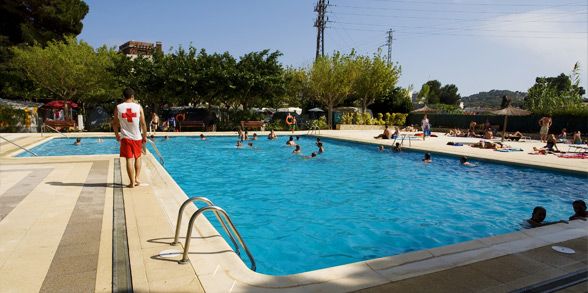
(352, 203)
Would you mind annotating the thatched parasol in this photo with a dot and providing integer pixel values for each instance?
(424, 109)
(509, 111)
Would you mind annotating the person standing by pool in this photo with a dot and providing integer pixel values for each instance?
(425, 124)
(130, 120)
(154, 124)
(545, 122)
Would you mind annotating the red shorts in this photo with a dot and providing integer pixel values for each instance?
(130, 148)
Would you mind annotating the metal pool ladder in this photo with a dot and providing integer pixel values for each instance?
(217, 212)
(403, 136)
(52, 128)
(19, 146)
(156, 151)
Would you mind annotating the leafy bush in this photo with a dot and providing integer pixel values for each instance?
(366, 119)
(11, 120)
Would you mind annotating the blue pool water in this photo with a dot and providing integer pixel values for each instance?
(352, 203)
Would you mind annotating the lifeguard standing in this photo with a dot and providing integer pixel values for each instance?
(130, 119)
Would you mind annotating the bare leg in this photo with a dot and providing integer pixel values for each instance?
(137, 170)
(130, 172)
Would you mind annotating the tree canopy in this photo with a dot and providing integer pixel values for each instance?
(375, 78)
(560, 94)
(69, 70)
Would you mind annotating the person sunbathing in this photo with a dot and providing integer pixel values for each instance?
(386, 135)
(579, 210)
(487, 145)
(489, 134)
(455, 132)
(515, 136)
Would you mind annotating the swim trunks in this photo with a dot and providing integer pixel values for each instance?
(130, 148)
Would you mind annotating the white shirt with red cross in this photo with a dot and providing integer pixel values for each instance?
(129, 116)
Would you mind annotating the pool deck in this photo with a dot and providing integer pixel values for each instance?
(58, 234)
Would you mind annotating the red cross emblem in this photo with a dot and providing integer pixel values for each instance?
(129, 114)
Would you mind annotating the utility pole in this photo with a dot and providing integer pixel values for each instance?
(320, 23)
(389, 40)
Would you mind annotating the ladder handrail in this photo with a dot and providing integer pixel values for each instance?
(208, 202)
(156, 151)
(52, 128)
(21, 147)
(226, 216)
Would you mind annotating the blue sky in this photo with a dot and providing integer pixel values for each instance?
(478, 45)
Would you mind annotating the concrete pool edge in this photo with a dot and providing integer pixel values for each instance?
(494, 159)
(223, 270)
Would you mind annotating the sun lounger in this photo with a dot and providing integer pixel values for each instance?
(577, 148)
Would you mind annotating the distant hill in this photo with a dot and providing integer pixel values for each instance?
(493, 98)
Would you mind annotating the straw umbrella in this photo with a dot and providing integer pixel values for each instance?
(424, 109)
(509, 111)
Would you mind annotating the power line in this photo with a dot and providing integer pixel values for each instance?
(460, 34)
(461, 28)
(459, 19)
(468, 4)
(434, 10)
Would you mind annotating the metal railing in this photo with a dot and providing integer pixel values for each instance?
(314, 129)
(217, 210)
(402, 138)
(156, 151)
(208, 202)
(52, 128)
(19, 146)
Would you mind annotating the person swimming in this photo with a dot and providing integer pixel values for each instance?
(579, 210)
(78, 141)
(250, 144)
(427, 158)
(202, 137)
(320, 148)
(318, 140)
(297, 150)
(538, 217)
(380, 148)
(291, 141)
(464, 162)
(313, 155)
(239, 144)
(254, 136)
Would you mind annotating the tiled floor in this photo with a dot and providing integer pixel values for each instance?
(502, 274)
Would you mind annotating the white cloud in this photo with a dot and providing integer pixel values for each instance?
(557, 38)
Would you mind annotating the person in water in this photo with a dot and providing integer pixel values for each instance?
(427, 158)
(202, 137)
(320, 148)
(297, 150)
(313, 155)
(318, 140)
(250, 144)
(464, 161)
(397, 148)
(239, 144)
(579, 210)
(254, 136)
(78, 141)
(291, 141)
(272, 135)
(538, 217)
(380, 148)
